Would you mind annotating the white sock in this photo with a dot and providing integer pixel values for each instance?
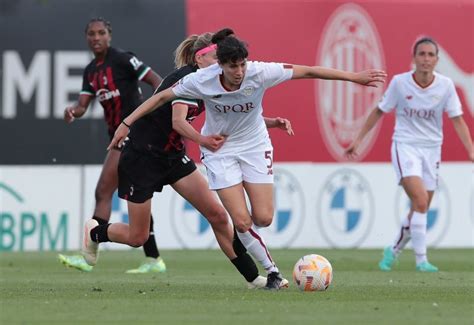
(418, 235)
(403, 237)
(255, 245)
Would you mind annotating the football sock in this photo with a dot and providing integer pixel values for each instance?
(150, 248)
(99, 233)
(100, 220)
(418, 235)
(255, 245)
(246, 266)
(403, 237)
(239, 248)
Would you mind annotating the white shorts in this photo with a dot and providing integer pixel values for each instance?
(411, 160)
(228, 170)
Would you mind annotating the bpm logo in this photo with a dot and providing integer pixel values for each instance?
(289, 210)
(438, 214)
(350, 41)
(346, 209)
(23, 228)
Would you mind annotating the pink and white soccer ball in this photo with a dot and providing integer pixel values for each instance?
(312, 273)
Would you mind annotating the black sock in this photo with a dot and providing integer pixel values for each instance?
(100, 220)
(99, 233)
(239, 248)
(246, 266)
(150, 248)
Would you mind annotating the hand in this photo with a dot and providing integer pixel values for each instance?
(370, 78)
(119, 136)
(471, 155)
(351, 151)
(69, 114)
(213, 142)
(284, 124)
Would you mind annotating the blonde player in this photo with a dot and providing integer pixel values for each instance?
(232, 91)
(419, 99)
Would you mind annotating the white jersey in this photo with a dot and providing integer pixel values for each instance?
(236, 114)
(419, 111)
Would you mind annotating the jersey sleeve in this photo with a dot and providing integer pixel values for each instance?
(187, 87)
(453, 105)
(185, 101)
(86, 86)
(275, 73)
(137, 68)
(390, 97)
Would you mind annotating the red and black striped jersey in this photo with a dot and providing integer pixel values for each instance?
(114, 83)
(154, 133)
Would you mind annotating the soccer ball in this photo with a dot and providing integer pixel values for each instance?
(312, 273)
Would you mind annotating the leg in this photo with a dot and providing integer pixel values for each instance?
(106, 186)
(418, 195)
(153, 262)
(194, 189)
(404, 236)
(136, 233)
(233, 199)
(261, 201)
(420, 199)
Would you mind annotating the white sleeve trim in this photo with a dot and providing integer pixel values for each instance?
(143, 74)
(184, 101)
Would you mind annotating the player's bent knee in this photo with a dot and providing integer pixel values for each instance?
(263, 221)
(138, 241)
(242, 225)
(421, 205)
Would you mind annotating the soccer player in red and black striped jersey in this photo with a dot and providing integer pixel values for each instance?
(112, 77)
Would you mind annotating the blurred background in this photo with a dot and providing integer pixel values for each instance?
(48, 169)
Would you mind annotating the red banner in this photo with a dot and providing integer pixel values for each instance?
(351, 36)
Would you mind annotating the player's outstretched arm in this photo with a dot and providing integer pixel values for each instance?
(77, 110)
(371, 77)
(351, 152)
(463, 132)
(279, 122)
(147, 107)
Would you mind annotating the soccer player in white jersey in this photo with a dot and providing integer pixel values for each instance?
(232, 91)
(419, 99)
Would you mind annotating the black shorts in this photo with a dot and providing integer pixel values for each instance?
(142, 174)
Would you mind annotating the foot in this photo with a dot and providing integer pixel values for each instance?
(274, 281)
(260, 283)
(151, 265)
(89, 247)
(75, 261)
(426, 267)
(388, 259)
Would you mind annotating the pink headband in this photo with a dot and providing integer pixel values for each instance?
(210, 48)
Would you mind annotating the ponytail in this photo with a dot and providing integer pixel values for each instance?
(184, 54)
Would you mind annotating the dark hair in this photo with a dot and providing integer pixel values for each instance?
(106, 23)
(425, 39)
(229, 47)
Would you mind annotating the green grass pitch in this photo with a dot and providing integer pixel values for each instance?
(202, 287)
